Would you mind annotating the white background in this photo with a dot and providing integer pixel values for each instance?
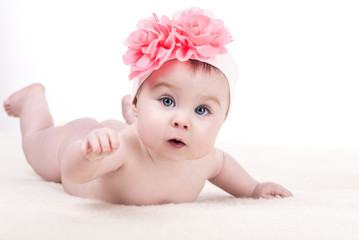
(298, 60)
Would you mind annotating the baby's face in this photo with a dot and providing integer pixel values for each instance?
(180, 112)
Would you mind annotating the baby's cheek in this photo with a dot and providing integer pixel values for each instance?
(145, 131)
(149, 129)
(205, 141)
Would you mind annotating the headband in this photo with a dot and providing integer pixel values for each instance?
(191, 34)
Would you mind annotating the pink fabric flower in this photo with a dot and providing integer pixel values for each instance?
(192, 34)
(149, 46)
(201, 35)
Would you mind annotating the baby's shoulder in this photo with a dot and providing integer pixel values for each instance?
(129, 142)
(128, 134)
(213, 162)
(129, 137)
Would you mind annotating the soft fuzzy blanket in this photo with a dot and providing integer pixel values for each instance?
(326, 203)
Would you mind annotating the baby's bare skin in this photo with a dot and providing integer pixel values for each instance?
(141, 181)
(165, 155)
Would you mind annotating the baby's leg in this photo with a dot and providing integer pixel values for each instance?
(39, 139)
(43, 143)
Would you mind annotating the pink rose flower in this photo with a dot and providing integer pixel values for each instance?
(202, 36)
(191, 34)
(149, 46)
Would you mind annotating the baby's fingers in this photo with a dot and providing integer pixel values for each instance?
(108, 140)
(84, 147)
(280, 191)
(283, 192)
(113, 138)
(104, 142)
(270, 190)
(100, 141)
(92, 143)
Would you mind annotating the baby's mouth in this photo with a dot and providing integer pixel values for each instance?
(176, 143)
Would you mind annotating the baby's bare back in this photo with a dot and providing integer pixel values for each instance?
(141, 181)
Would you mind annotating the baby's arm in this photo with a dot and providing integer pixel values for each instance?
(92, 157)
(233, 179)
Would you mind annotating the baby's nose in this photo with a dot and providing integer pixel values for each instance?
(180, 120)
(178, 124)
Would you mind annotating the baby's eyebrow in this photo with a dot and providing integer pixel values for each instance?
(213, 98)
(164, 84)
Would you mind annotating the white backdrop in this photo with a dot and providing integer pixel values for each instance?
(299, 63)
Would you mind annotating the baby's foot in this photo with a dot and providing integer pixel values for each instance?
(16, 101)
(127, 110)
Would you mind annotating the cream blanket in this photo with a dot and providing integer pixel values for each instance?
(326, 203)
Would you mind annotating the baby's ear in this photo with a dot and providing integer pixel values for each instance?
(134, 107)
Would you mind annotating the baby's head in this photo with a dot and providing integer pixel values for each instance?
(183, 82)
(180, 109)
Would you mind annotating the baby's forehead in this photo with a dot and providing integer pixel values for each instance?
(200, 80)
(189, 69)
(180, 76)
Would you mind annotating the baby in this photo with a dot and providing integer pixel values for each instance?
(164, 153)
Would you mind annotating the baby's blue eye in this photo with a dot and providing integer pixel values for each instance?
(202, 110)
(166, 101)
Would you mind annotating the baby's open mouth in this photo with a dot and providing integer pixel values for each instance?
(176, 143)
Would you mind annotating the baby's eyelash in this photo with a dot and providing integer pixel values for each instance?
(208, 109)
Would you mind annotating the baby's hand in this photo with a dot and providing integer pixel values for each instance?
(99, 143)
(270, 190)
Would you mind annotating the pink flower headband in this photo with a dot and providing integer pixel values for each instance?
(191, 34)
